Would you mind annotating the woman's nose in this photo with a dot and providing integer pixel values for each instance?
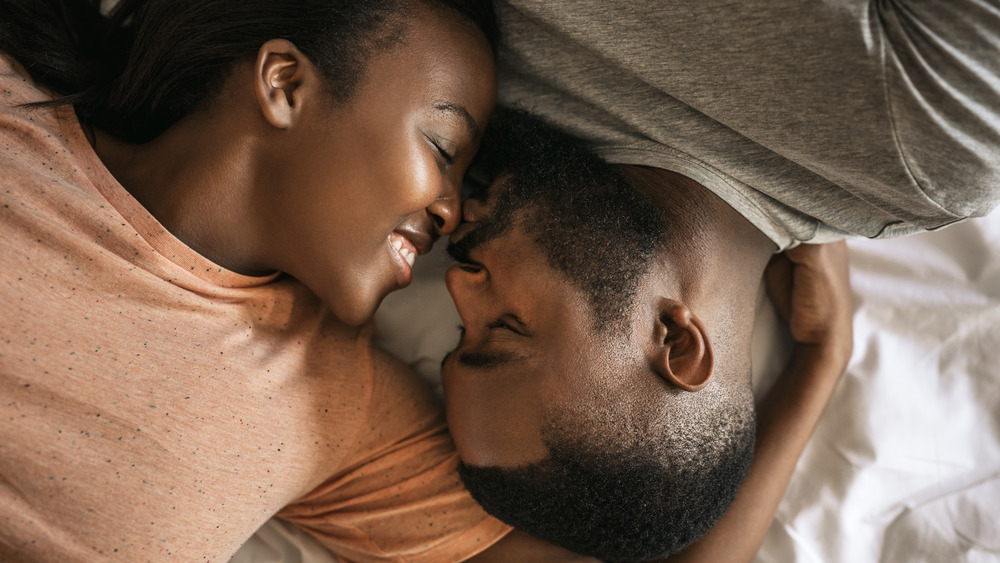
(446, 211)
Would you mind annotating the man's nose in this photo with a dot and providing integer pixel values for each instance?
(468, 286)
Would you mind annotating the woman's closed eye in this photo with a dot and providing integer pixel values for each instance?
(450, 159)
(447, 156)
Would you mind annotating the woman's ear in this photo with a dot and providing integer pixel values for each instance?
(282, 76)
(682, 352)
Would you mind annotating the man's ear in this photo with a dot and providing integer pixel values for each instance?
(682, 352)
(283, 77)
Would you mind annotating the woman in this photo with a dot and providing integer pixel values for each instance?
(289, 126)
(190, 188)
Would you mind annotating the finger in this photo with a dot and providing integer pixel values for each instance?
(806, 254)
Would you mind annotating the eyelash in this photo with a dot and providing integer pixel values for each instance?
(444, 154)
(500, 323)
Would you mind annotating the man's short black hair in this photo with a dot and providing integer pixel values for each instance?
(628, 484)
(600, 235)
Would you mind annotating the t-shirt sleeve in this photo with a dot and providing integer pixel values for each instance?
(398, 497)
(872, 118)
(942, 73)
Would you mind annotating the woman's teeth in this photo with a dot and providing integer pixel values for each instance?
(405, 252)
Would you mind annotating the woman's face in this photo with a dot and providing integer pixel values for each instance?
(371, 184)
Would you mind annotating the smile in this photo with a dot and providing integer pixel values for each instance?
(404, 247)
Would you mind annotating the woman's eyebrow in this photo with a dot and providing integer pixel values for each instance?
(462, 113)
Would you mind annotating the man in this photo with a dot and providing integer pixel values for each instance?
(600, 395)
(750, 129)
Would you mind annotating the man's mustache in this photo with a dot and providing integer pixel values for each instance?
(461, 250)
(483, 232)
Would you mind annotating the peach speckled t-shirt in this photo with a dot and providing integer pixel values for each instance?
(155, 406)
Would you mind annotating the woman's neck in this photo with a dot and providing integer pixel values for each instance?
(197, 179)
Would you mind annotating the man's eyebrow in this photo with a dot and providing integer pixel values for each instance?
(485, 361)
(463, 113)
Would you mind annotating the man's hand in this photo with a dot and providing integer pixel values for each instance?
(810, 288)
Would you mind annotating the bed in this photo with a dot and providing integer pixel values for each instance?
(904, 466)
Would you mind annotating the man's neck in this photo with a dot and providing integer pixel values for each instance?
(716, 262)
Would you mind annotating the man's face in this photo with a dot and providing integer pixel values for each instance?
(530, 356)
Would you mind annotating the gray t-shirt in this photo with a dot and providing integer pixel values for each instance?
(815, 120)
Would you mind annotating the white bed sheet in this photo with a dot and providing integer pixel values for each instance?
(904, 466)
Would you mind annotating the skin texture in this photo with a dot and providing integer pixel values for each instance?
(268, 178)
(495, 413)
(514, 304)
(518, 311)
(810, 287)
(275, 176)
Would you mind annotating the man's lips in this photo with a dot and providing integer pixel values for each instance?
(473, 211)
(462, 230)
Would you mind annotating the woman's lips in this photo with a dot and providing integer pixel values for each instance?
(404, 247)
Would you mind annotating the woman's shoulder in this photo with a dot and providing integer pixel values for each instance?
(16, 85)
(9, 66)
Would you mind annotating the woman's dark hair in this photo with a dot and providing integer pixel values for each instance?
(149, 63)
